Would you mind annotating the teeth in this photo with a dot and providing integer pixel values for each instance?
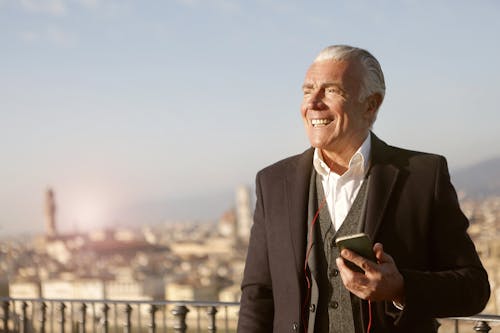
(320, 122)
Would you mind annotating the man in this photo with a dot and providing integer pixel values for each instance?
(296, 279)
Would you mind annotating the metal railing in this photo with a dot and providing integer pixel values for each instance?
(107, 316)
(481, 322)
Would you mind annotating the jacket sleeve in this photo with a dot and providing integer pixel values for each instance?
(456, 283)
(257, 308)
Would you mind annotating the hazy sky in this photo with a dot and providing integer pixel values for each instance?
(148, 110)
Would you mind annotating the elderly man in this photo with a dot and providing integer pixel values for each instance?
(297, 279)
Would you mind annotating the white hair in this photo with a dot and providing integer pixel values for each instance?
(373, 77)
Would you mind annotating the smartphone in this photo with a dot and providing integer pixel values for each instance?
(359, 243)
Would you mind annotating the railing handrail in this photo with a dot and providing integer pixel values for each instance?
(120, 301)
(479, 317)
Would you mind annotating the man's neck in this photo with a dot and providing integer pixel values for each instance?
(338, 160)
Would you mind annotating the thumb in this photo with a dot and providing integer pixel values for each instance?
(381, 256)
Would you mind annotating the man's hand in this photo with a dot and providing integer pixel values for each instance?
(380, 281)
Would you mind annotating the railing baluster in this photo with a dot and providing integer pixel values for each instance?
(164, 317)
(127, 325)
(52, 310)
(62, 319)
(226, 314)
(83, 317)
(43, 316)
(104, 319)
(152, 324)
(198, 319)
(94, 317)
(180, 312)
(211, 312)
(139, 322)
(33, 315)
(14, 317)
(482, 326)
(5, 307)
(24, 318)
(115, 312)
(73, 323)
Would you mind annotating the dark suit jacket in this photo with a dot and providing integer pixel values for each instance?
(412, 209)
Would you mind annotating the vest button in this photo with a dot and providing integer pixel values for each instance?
(334, 304)
(312, 307)
(333, 273)
(295, 326)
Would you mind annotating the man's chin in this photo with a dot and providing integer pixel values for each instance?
(320, 143)
(321, 146)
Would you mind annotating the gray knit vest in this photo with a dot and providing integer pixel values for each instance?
(338, 311)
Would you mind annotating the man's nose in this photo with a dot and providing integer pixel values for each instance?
(316, 100)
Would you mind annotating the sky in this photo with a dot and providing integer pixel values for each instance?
(147, 111)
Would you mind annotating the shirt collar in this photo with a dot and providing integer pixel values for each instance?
(360, 160)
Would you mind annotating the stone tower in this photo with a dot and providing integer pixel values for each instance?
(50, 213)
(244, 218)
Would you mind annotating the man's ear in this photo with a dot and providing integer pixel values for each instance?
(373, 102)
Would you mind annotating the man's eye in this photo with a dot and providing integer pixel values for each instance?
(307, 92)
(331, 91)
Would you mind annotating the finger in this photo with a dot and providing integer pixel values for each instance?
(346, 274)
(365, 264)
(381, 256)
(349, 277)
(341, 265)
(378, 249)
(355, 282)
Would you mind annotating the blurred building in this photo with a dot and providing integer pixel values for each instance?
(227, 224)
(244, 217)
(50, 213)
(185, 260)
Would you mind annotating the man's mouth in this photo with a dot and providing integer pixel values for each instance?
(320, 122)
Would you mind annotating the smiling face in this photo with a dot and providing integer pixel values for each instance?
(334, 118)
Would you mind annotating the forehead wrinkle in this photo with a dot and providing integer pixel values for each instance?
(321, 85)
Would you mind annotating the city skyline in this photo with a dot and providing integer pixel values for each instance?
(127, 109)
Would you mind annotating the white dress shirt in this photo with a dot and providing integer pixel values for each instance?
(341, 190)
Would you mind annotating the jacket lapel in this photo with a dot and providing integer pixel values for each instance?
(297, 192)
(383, 176)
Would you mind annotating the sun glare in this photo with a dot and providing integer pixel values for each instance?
(88, 210)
